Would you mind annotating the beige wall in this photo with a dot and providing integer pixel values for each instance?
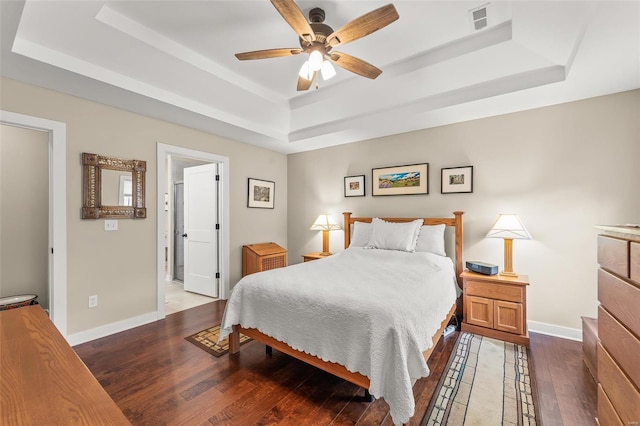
(120, 267)
(562, 169)
(24, 214)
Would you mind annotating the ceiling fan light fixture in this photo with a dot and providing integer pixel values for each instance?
(305, 71)
(315, 60)
(327, 70)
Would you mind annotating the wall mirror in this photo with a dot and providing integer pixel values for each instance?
(113, 187)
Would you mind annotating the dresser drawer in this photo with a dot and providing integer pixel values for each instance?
(606, 413)
(621, 299)
(620, 391)
(634, 259)
(509, 293)
(623, 346)
(613, 255)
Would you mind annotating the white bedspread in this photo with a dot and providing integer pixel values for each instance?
(373, 311)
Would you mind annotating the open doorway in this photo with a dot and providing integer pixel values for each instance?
(183, 294)
(172, 163)
(57, 210)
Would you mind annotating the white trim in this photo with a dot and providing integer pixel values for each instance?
(164, 151)
(57, 209)
(112, 328)
(555, 330)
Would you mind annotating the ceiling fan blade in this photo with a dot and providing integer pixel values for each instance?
(355, 65)
(294, 17)
(304, 84)
(268, 53)
(364, 25)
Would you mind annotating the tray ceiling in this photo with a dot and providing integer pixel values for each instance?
(175, 60)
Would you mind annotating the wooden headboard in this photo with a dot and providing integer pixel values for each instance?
(455, 221)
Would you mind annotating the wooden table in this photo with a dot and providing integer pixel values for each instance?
(42, 380)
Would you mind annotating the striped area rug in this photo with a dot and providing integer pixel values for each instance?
(487, 383)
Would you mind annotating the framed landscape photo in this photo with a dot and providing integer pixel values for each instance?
(261, 194)
(457, 180)
(400, 180)
(354, 186)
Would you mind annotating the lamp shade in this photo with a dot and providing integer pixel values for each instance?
(315, 60)
(327, 70)
(305, 71)
(325, 222)
(509, 226)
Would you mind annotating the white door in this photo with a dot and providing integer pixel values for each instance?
(200, 234)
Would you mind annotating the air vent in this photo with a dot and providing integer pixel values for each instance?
(479, 17)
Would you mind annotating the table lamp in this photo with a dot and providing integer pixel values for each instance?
(508, 227)
(325, 223)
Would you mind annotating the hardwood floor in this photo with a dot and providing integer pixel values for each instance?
(156, 377)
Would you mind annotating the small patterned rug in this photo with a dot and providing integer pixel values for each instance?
(208, 340)
(487, 382)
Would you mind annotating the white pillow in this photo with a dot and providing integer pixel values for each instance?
(394, 236)
(431, 239)
(361, 234)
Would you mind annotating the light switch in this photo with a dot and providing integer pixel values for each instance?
(110, 225)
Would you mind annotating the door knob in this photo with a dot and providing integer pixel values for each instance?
(184, 235)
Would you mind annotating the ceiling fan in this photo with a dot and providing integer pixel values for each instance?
(318, 39)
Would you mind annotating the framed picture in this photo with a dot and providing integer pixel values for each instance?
(401, 180)
(457, 180)
(261, 194)
(354, 186)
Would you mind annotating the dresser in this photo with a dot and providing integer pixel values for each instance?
(618, 349)
(496, 306)
(43, 381)
(262, 257)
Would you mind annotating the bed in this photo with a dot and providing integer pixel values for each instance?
(371, 317)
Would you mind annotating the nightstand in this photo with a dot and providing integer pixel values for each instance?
(496, 306)
(314, 256)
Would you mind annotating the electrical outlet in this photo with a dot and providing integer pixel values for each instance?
(93, 301)
(111, 225)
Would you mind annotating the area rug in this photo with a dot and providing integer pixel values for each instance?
(487, 382)
(208, 340)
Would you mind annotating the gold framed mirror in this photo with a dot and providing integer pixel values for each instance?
(113, 187)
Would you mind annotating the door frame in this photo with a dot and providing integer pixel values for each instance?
(164, 151)
(57, 209)
(175, 240)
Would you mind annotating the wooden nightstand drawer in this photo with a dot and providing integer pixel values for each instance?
(621, 392)
(619, 297)
(613, 255)
(623, 346)
(493, 291)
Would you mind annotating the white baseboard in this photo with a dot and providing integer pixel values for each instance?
(555, 330)
(109, 329)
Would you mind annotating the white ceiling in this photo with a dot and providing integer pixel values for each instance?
(175, 60)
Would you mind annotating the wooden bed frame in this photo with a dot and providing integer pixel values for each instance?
(332, 367)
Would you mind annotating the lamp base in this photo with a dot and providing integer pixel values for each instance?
(508, 274)
(325, 253)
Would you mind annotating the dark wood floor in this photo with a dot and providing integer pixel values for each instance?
(156, 377)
